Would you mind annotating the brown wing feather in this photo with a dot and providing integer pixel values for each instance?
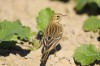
(52, 35)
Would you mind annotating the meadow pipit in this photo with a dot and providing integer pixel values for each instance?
(52, 35)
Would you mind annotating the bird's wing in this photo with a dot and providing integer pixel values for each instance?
(52, 35)
(50, 41)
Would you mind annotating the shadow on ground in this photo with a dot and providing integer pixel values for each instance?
(97, 62)
(98, 38)
(7, 47)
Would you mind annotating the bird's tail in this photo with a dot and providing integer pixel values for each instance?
(45, 56)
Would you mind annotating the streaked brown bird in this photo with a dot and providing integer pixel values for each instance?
(52, 35)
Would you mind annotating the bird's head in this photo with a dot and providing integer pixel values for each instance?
(57, 17)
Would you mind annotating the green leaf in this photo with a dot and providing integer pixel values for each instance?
(91, 24)
(26, 33)
(98, 57)
(43, 18)
(10, 30)
(86, 54)
(97, 2)
(80, 4)
(14, 37)
(35, 45)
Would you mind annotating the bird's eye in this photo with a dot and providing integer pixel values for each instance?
(58, 17)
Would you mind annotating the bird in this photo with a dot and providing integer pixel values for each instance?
(51, 35)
